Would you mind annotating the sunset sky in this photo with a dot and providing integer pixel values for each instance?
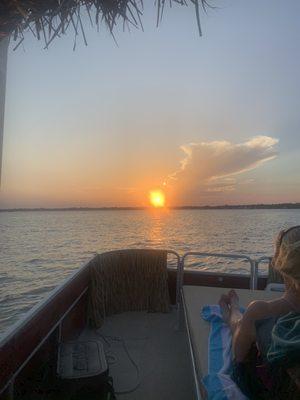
(211, 120)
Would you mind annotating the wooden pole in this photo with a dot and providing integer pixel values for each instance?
(3, 67)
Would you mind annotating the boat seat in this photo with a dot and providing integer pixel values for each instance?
(275, 287)
(194, 298)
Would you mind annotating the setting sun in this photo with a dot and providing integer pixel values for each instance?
(157, 198)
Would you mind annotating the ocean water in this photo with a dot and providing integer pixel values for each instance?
(39, 249)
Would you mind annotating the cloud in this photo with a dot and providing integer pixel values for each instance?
(212, 167)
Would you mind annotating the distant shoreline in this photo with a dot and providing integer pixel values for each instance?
(281, 206)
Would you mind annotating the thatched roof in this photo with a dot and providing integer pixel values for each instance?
(48, 19)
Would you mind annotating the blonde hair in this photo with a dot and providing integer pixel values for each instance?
(287, 256)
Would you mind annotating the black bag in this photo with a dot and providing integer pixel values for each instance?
(104, 392)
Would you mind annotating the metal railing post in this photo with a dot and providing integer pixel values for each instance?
(263, 259)
(178, 282)
(254, 274)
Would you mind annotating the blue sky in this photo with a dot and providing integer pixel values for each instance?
(105, 124)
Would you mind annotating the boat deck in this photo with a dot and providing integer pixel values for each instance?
(148, 357)
(194, 299)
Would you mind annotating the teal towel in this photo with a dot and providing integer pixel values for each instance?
(285, 346)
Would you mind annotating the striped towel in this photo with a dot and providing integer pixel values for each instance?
(218, 382)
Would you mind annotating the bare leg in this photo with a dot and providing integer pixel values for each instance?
(235, 313)
(225, 309)
(230, 309)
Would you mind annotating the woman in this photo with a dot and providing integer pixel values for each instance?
(252, 331)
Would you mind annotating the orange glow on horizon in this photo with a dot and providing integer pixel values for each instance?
(157, 198)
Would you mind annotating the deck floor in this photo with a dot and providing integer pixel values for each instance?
(148, 357)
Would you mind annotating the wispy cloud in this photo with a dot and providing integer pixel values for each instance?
(213, 166)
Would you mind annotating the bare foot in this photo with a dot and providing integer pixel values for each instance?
(233, 298)
(224, 305)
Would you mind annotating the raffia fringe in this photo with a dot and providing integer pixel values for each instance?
(127, 280)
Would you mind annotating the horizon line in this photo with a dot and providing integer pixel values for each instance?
(293, 205)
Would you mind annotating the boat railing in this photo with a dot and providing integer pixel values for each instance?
(25, 322)
(253, 263)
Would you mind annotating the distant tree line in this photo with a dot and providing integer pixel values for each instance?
(288, 206)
